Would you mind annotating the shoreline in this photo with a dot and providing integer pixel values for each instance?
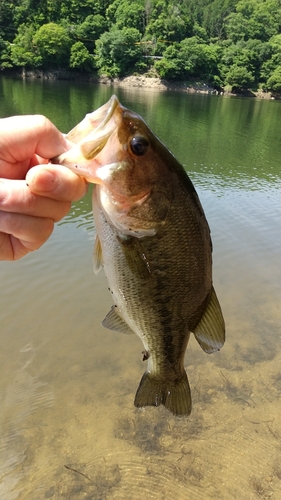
(178, 86)
(140, 81)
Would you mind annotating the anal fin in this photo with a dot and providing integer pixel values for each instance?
(114, 322)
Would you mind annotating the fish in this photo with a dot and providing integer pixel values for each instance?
(153, 242)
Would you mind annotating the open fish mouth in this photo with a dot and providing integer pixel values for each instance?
(89, 137)
(93, 122)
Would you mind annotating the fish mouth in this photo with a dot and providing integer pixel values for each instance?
(89, 137)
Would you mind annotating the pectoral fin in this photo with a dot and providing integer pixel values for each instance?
(97, 255)
(135, 256)
(114, 322)
(210, 331)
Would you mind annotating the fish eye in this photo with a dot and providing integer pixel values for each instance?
(139, 145)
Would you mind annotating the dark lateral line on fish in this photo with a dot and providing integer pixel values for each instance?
(78, 472)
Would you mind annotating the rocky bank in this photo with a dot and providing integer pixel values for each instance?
(141, 81)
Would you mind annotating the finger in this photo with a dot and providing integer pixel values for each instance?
(16, 197)
(56, 182)
(20, 234)
(23, 138)
(26, 135)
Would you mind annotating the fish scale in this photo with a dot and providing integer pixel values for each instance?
(154, 243)
(160, 304)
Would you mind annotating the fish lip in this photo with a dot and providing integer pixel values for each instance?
(109, 109)
(108, 112)
(112, 105)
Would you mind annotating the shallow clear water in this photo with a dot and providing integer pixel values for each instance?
(68, 425)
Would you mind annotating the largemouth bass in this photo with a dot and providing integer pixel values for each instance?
(154, 243)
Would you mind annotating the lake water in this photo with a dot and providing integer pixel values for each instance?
(68, 425)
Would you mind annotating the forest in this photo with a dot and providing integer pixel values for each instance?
(234, 44)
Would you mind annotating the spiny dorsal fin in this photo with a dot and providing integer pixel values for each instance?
(114, 322)
(97, 255)
(210, 331)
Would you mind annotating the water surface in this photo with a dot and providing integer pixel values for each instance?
(68, 425)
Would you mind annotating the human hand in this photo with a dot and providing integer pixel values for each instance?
(29, 208)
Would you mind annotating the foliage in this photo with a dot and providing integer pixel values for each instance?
(53, 45)
(272, 64)
(5, 56)
(168, 22)
(124, 14)
(274, 81)
(80, 58)
(239, 77)
(7, 25)
(214, 16)
(23, 52)
(227, 42)
(190, 58)
(90, 30)
(118, 51)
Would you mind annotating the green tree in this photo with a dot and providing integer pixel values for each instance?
(5, 54)
(118, 51)
(53, 44)
(214, 16)
(237, 27)
(190, 58)
(236, 65)
(171, 66)
(273, 62)
(239, 77)
(7, 25)
(254, 19)
(76, 11)
(90, 30)
(23, 52)
(80, 57)
(274, 81)
(124, 14)
(168, 21)
(259, 53)
(30, 11)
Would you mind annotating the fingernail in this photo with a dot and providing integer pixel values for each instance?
(44, 181)
(4, 191)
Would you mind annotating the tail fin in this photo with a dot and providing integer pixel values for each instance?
(173, 394)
